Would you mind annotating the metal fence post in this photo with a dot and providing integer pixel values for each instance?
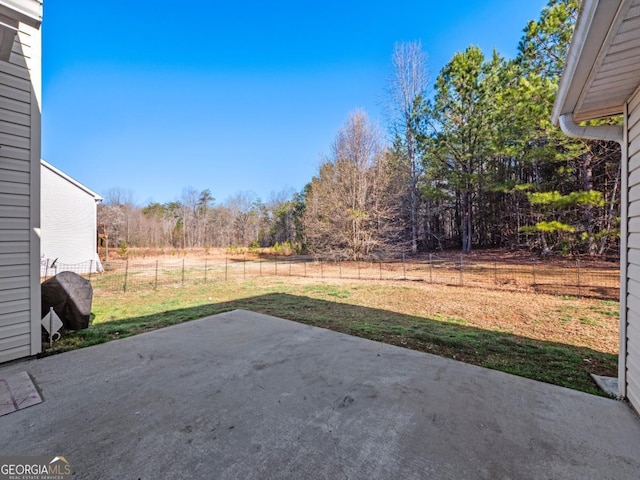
(404, 269)
(339, 268)
(461, 277)
(50, 327)
(321, 269)
(260, 266)
(126, 274)
(205, 270)
(156, 284)
(183, 272)
(578, 272)
(90, 268)
(380, 263)
(430, 268)
(244, 265)
(304, 263)
(358, 262)
(226, 265)
(275, 262)
(534, 275)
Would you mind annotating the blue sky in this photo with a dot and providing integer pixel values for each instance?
(155, 96)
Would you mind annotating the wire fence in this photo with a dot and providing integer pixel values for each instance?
(50, 268)
(574, 278)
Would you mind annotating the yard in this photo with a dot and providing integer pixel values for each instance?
(553, 338)
(488, 269)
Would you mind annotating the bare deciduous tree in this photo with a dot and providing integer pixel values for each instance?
(116, 213)
(349, 209)
(245, 217)
(407, 88)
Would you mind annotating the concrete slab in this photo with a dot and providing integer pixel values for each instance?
(608, 385)
(247, 396)
(16, 392)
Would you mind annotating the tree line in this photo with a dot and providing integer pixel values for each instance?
(467, 160)
(195, 220)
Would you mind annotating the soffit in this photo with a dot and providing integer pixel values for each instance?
(603, 66)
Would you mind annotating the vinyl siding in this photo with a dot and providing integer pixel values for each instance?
(68, 223)
(19, 197)
(633, 362)
(631, 347)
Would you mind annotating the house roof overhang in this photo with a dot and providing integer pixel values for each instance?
(603, 64)
(25, 11)
(72, 181)
(12, 13)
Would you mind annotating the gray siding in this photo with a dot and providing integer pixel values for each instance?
(631, 317)
(19, 196)
(68, 223)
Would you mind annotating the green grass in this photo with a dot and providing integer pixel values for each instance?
(355, 310)
(327, 290)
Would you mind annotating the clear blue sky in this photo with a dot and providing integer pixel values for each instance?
(155, 96)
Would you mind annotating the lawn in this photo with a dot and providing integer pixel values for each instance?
(556, 339)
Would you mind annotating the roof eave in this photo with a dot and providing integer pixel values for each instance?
(71, 180)
(590, 34)
(25, 11)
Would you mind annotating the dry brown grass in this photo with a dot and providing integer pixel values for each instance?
(573, 321)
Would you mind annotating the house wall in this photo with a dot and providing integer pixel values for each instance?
(630, 301)
(20, 196)
(68, 225)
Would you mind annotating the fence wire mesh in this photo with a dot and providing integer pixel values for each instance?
(51, 268)
(574, 278)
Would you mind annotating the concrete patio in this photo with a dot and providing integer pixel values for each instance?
(247, 396)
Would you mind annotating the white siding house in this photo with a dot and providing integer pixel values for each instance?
(20, 103)
(602, 79)
(68, 225)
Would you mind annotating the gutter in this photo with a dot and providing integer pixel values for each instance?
(586, 17)
(610, 133)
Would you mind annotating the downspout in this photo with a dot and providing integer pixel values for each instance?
(624, 256)
(608, 133)
(612, 133)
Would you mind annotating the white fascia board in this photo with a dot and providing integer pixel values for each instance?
(71, 180)
(589, 36)
(26, 11)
